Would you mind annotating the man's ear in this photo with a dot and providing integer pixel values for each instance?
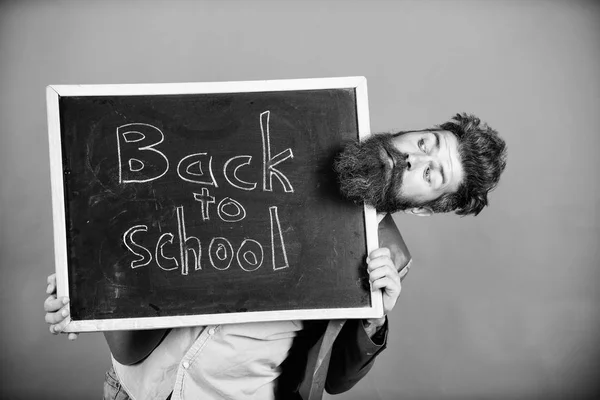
(420, 211)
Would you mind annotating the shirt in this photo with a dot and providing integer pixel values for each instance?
(233, 361)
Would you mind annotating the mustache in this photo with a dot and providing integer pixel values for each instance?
(399, 159)
(364, 172)
(400, 164)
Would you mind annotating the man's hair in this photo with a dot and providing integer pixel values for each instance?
(482, 155)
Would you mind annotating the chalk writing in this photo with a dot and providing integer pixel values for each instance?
(146, 256)
(249, 260)
(269, 162)
(193, 169)
(128, 138)
(249, 254)
(205, 200)
(159, 255)
(140, 161)
(186, 245)
(277, 234)
(240, 184)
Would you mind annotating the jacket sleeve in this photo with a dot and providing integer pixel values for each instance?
(353, 355)
(353, 352)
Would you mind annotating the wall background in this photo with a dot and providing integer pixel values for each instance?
(504, 305)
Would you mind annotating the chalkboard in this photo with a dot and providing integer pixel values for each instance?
(205, 203)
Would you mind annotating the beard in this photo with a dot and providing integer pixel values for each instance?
(365, 176)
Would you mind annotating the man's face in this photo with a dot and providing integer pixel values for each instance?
(401, 171)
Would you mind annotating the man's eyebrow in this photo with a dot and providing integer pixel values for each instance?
(437, 140)
(443, 174)
(437, 145)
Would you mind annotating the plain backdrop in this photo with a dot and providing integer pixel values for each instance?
(501, 306)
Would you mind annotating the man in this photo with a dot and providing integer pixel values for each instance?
(452, 167)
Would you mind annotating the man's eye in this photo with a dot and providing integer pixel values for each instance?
(428, 174)
(422, 145)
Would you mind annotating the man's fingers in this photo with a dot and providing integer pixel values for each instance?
(59, 327)
(58, 316)
(57, 310)
(52, 304)
(52, 318)
(379, 262)
(55, 329)
(51, 288)
(382, 283)
(380, 252)
(384, 276)
(385, 270)
(387, 283)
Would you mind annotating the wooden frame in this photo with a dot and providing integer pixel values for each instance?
(54, 92)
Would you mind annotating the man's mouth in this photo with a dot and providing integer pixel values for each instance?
(389, 165)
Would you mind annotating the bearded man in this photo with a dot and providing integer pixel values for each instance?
(448, 168)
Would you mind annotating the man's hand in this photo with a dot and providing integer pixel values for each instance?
(383, 276)
(57, 310)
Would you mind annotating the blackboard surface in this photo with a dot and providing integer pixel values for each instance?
(209, 203)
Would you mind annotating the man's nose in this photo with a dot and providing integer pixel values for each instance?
(416, 160)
